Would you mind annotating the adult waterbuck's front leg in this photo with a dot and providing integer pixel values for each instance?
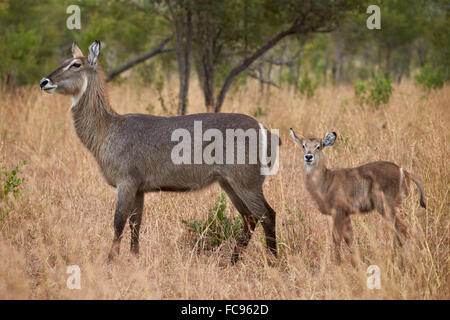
(129, 203)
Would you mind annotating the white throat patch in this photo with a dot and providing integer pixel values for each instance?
(76, 98)
(309, 167)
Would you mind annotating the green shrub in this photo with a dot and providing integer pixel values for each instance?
(379, 91)
(307, 86)
(9, 181)
(430, 78)
(217, 228)
(361, 91)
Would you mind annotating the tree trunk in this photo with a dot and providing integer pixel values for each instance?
(183, 41)
(388, 62)
(325, 68)
(269, 76)
(260, 70)
(422, 51)
(204, 60)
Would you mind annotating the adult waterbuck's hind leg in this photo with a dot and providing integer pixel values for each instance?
(135, 222)
(268, 223)
(126, 202)
(249, 221)
(253, 200)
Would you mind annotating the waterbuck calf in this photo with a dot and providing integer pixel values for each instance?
(341, 192)
(135, 152)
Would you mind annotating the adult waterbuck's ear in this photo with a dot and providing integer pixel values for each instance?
(329, 139)
(94, 51)
(76, 51)
(294, 136)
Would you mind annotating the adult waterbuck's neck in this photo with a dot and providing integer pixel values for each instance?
(81, 77)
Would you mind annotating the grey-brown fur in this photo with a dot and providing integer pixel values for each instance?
(133, 152)
(377, 186)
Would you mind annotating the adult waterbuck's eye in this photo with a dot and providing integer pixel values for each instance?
(76, 65)
(318, 147)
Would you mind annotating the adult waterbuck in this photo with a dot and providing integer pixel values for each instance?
(341, 192)
(135, 152)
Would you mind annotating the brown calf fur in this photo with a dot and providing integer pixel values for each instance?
(377, 185)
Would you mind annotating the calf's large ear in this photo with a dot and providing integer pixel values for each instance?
(94, 51)
(294, 137)
(329, 139)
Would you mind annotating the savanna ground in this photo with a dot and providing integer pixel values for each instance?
(63, 214)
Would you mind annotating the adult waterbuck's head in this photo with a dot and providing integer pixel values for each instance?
(71, 78)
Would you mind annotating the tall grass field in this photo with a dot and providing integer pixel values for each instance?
(56, 211)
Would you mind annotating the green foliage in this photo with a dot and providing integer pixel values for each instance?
(35, 38)
(360, 88)
(217, 228)
(430, 78)
(378, 92)
(307, 85)
(10, 182)
(381, 90)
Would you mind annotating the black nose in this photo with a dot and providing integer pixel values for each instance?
(43, 83)
(308, 157)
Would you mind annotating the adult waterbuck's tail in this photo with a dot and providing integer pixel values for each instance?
(139, 153)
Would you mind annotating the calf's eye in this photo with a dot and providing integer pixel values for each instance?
(76, 65)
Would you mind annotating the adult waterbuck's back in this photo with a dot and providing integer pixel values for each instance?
(377, 185)
(139, 153)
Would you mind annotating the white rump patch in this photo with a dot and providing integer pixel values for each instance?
(264, 140)
(265, 169)
(263, 152)
(76, 98)
(400, 184)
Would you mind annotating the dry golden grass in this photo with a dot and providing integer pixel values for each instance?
(64, 214)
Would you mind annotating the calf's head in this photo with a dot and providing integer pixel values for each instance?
(312, 148)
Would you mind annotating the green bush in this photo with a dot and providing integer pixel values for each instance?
(379, 91)
(9, 181)
(307, 86)
(430, 78)
(361, 91)
(217, 228)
